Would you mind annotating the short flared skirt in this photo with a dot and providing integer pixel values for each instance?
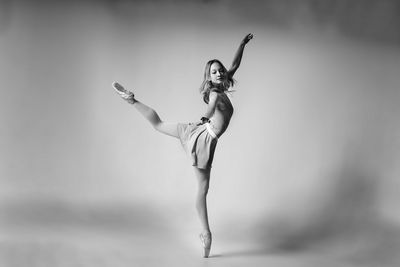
(199, 142)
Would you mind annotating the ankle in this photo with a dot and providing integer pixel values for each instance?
(131, 100)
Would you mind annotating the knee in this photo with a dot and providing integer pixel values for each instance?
(203, 189)
(157, 125)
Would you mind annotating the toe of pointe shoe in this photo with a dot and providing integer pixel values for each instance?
(118, 87)
(125, 94)
(206, 252)
(206, 240)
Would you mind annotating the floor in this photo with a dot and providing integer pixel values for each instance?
(55, 235)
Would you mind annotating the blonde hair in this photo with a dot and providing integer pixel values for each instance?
(207, 86)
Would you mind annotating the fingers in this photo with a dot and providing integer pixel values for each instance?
(248, 38)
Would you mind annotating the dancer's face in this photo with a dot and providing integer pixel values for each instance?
(217, 73)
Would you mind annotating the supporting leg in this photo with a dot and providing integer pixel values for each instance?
(203, 178)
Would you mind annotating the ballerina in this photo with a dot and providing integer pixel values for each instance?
(200, 139)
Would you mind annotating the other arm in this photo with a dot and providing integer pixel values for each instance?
(212, 104)
(239, 53)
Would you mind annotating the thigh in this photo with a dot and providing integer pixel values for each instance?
(167, 128)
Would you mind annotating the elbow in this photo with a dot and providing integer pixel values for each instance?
(207, 115)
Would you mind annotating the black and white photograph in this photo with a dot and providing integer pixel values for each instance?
(149, 133)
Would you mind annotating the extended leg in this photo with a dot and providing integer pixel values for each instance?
(147, 112)
(203, 178)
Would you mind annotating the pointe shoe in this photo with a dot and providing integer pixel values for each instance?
(206, 239)
(125, 94)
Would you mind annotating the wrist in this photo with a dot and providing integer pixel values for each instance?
(205, 120)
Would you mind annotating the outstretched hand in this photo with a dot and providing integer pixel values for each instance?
(247, 38)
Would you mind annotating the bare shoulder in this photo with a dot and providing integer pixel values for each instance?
(213, 96)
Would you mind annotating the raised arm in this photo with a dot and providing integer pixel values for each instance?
(239, 53)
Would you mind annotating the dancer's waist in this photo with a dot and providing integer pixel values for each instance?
(210, 131)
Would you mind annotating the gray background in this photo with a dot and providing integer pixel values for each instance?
(306, 175)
